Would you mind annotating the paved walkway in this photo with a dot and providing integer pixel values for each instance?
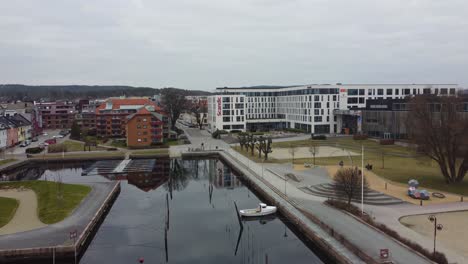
(368, 239)
(25, 218)
(58, 234)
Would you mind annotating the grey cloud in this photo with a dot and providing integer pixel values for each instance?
(206, 43)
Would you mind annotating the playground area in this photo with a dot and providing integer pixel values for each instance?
(453, 234)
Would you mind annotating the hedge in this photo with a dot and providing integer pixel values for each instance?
(360, 136)
(35, 150)
(319, 137)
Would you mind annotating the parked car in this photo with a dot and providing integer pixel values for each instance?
(34, 139)
(50, 141)
(45, 134)
(23, 144)
(64, 132)
(58, 136)
(43, 144)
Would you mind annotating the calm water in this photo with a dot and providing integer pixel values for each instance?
(183, 212)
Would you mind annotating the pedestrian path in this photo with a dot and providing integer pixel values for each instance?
(26, 217)
(366, 238)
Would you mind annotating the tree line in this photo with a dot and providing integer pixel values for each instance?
(13, 92)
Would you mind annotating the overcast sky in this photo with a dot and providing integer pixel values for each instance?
(203, 44)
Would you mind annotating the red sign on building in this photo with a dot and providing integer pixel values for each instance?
(219, 106)
(342, 90)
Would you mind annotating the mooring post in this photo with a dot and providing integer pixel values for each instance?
(238, 216)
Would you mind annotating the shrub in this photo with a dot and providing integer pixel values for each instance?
(235, 131)
(387, 142)
(35, 150)
(295, 130)
(319, 137)
(111, 149)
(360, 136)
(55, 148)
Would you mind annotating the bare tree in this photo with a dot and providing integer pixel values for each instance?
(251, 143)
(174, 103)
(313, 149)
(242, 141)
(347, 183)
(292, 151)
(438, 125)
(260, 145)
(200, 110)
(267, 147)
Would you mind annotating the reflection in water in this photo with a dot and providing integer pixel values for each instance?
(181, 212)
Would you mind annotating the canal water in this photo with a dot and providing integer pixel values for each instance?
(183, 212)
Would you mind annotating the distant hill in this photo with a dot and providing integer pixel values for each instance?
(10, 92)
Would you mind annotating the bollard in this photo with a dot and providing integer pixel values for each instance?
(461, 199)
(385, 186)
(420, 202)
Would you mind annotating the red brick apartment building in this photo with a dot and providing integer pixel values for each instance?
(145, 128)
(57, 115)
(111, 116)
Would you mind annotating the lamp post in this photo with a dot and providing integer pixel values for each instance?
(437, 227)
(362, 181)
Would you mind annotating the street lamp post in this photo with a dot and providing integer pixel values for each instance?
(437, 227)
(362, 181)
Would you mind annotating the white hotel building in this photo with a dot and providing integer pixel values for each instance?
(317, 109)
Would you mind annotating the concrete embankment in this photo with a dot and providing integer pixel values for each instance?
(61, 252)
(332, 248)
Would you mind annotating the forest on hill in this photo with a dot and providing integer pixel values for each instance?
(11, 92)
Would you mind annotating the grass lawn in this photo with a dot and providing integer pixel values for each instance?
(400, 164)
(151, 151)
(6, 161)
(255, 156)
(118, 144)
(350, 144)
(78, 146)
(51, 208)
(81, 155)
(8, 208)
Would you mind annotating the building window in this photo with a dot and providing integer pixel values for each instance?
(145, 140)
(144, 119)
(317, 105)
(139, 133)
(361, 100)
(352, 91)
(361, 91)
(139, 140)
(389, 92)
(379, 91)
(144, 126)
(317, 118)
(353, 100)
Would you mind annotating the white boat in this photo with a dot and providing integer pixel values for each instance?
(261, 210)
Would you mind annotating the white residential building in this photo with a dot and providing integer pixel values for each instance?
(317, 109)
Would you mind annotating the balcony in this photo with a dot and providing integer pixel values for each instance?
(156, 123)
(156, 130)
(156, 136)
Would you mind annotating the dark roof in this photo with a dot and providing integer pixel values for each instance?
(16, 120)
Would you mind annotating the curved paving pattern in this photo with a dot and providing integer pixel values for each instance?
(370, 197)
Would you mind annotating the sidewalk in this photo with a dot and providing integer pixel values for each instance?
(361, 235)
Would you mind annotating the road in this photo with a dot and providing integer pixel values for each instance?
(366, 238)
(18, 151)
